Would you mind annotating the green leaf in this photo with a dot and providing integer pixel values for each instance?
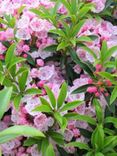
(62, 95)
(64, 124)
(16, 60)
(97, 138)
(103, 53)
(113, 95)
(110, 52)
(10, 54)
(33, 91)
(59, 118)
(71, 105)
(2, 77)
(111, 154)
(17, 100)
(51, 48)
(84, 10)
(58, 32)
(16, 131)
(99, 112)
(44, 146)
(57, 137)
(85, 118)
(50, 151)
(79, 145)
(30, 142)
(107, 75)
(21, 70)
(99, 154)
(84, 39)
(51, 96)
(43, 108)
(112, 120)
(44, 102)
(62, 45)
(1, 66)
(22, 80)
(77, 27)
(110, 143)
(21, 9)
(82, 89)
(5, 96)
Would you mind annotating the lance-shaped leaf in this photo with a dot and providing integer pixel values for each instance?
(99, 112)
(22, 80)
(43, 108)
(79, 145)
(5, 96)
(50, 150)
(51, 96)
(97, 138)
(62, 95)
(33, 91)
(16, 131)
(113, 95)
(71, 105)
(10, 53)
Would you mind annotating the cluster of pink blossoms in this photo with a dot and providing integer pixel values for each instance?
(33, 32)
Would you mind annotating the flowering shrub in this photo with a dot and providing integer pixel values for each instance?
(58, 73)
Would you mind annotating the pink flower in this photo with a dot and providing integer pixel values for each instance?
(37, 24)
(98, 67)
(68, 135)
(77, 69)
(46, 72)
(50, 121)
(26, 48)
(9, 145)
(40, 62)
(92, 89)
(41, 83)
(2, 48)
(76, 132)
(23, 34)
(34, 73)
(41, 122)
(23, 22)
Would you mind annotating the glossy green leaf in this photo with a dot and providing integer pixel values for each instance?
(51, 96)
(113, 95)
(97, 138)
(43, 108)
(5, 96)
(33, 91)
(16, 131)
(22, 80)
(71, 105)
(10, 53)
(99, 112)
(17, 100)
(50, 150)
(62, 95)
